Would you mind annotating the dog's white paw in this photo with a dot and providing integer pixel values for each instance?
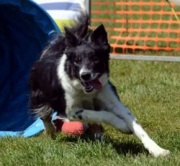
(77, 115)
(154, 149)
(159, 152)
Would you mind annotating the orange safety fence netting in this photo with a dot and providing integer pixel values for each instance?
(138, 25)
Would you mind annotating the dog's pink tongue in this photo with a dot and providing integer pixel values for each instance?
(96, 84)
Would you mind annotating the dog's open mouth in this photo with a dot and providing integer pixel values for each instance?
(93, 84)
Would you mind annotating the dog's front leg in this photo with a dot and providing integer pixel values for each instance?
(92, 116)
(109, 98)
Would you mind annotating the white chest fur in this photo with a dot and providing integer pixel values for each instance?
(74, 94)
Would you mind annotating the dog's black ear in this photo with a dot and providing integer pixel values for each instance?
(70, 38)
(99, 36)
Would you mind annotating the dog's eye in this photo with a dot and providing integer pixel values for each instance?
(90, 54)
(95, 59)
(77, 60)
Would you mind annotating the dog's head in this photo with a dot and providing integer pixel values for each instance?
(88, 57)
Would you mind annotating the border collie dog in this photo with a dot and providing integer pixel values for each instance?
(71, 77)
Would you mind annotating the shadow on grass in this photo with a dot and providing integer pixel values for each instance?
(132, 148)
(122, 148)
(126, 147)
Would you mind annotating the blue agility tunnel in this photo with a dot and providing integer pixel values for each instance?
(25, 29)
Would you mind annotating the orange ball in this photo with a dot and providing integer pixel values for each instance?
(73, 128)
(70, 128)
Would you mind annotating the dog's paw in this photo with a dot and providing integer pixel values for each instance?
(99, 136)
(155, 150)
(159, 152)
(77, 115)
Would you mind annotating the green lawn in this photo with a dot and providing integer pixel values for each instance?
(152, 92)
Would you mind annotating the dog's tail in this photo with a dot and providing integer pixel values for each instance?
(81, 25)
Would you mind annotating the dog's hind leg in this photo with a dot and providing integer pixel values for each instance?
(138, 130)
(45, 113)
(113, 104)
(96, 130)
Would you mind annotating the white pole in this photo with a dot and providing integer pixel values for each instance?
(88, 6)
(176, 2)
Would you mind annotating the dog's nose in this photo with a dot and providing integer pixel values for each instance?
(86, 76)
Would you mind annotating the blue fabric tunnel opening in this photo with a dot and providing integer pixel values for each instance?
(24, 32)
